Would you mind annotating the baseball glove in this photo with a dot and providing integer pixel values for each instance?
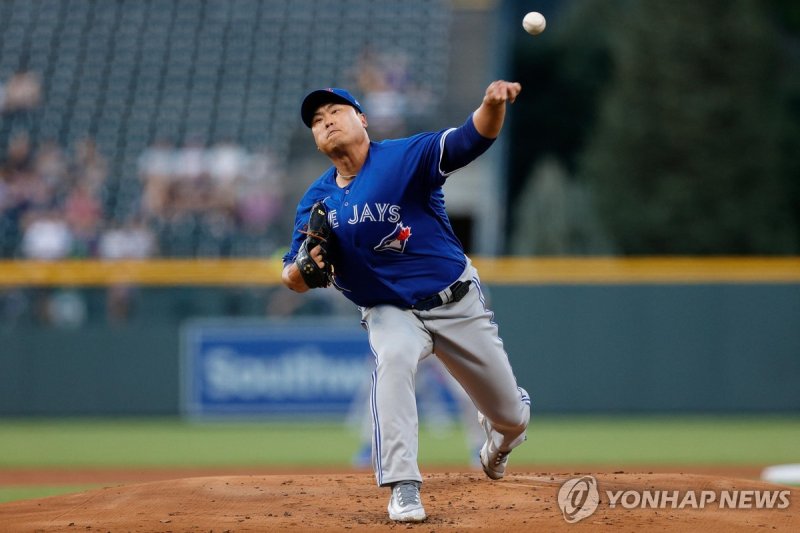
(317, 232)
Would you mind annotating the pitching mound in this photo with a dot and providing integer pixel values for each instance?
(454, 502)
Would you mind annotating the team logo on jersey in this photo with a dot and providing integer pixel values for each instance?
(396, 240)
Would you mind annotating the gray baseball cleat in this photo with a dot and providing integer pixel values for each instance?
(493, 461)
(405, 504)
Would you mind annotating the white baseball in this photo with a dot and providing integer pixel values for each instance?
(534, 23)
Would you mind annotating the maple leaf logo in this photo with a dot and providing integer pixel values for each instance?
(404, 234)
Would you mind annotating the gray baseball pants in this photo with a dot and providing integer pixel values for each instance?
(464, 337)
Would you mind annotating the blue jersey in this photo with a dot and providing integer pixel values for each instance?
(393, 242)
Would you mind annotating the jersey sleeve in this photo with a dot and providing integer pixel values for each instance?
(429, 148)
(461, 146)
(448, 151)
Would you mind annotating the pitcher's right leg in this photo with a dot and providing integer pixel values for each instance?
(398, 340)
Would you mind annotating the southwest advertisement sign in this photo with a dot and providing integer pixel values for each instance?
(269, 368)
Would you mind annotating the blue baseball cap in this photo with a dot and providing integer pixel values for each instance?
(325, 96)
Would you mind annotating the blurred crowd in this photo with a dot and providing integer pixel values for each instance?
(20, 98)
(62, 201)
(88, 172)
(191, 200)
(51, 200)
(211, 201)
(56, 203)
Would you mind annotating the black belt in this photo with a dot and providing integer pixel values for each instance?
(458, 290)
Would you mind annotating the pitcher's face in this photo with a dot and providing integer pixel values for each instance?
(336, 126)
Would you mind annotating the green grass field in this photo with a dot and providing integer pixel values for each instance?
(576, 440)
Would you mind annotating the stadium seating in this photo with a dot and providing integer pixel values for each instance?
(130, 72)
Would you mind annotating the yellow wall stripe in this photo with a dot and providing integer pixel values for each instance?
(167, 272)
(506, 271)
(640, 270)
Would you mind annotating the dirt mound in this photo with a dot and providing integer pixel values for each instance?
(454, 502)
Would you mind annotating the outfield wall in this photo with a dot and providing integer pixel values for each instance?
(644, 347)
(695, 345)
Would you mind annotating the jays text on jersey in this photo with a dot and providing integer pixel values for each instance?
(393, 242)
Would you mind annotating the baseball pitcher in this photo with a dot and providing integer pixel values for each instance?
(374, 225)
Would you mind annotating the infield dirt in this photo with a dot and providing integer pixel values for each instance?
(352, 502)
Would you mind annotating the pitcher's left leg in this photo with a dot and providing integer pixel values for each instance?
(466, 340)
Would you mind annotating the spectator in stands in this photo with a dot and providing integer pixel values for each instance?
(21, 100)
(84, 216)
(14, 163)
(23, 92)
(191, 161)
(5, 192)
(382, 79)
(156, 171)
(89, 166)
(260, 193)
(46, 236)
(131, 240)
(8, 220)
(19, 154)
(227, 164)
(191, 196)
(50, 162)
(26, 189)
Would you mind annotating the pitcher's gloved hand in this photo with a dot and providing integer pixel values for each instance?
(318, 233)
